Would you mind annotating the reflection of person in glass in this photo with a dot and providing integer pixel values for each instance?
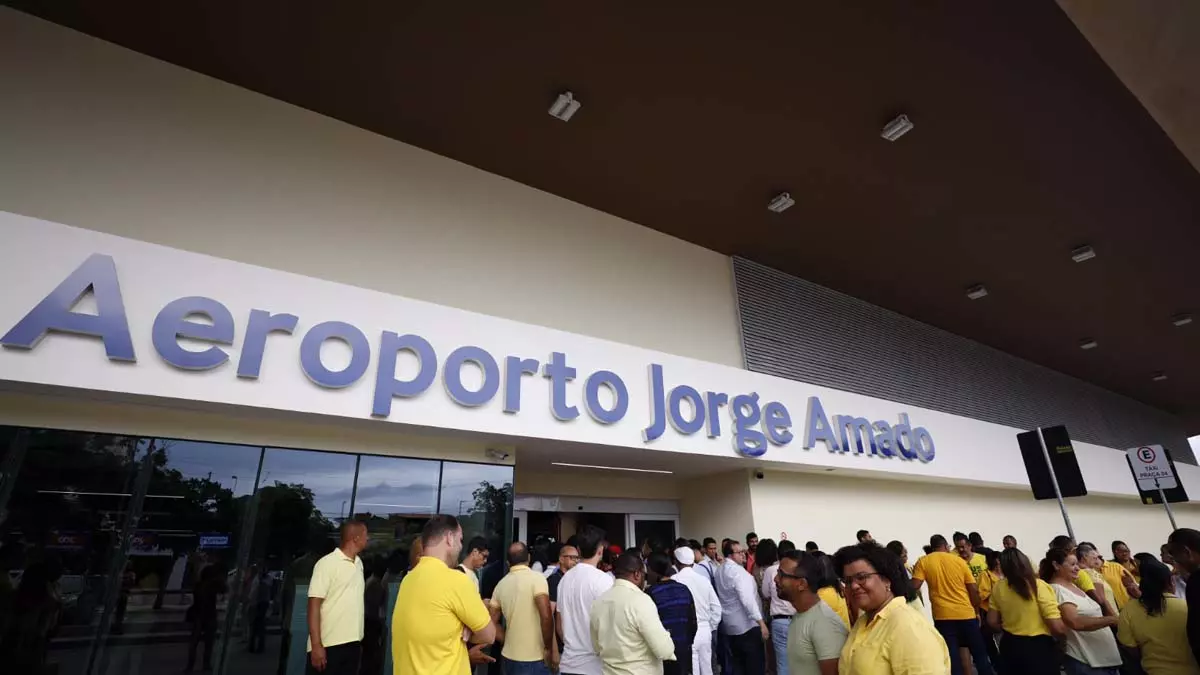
(336, 606)
(202, 615)
(35, 610)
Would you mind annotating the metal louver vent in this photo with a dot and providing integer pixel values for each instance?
(799, 330)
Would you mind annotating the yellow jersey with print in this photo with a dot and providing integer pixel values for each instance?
(898, 639)
(836, 602)
(947, 576)
(1162, 638)
(433, 605)
(1026, 617)
(1114, 573)
(977, 565)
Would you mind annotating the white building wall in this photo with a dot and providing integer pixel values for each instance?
(831, 509)
(100, 137)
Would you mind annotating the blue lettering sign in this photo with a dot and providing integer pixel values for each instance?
(755, 426)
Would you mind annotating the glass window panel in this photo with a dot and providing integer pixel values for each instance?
(301, 499)
(66, 516)
(395, 497)
(481, 497)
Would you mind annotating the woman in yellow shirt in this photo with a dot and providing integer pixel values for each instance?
(889, 637)
(1155, 626)
(831, 591)
(1026, 612)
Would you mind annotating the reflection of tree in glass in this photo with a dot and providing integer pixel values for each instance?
(492, 499)
(289, 518)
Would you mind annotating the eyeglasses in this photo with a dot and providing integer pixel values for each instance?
(789, 576)
(860, 578)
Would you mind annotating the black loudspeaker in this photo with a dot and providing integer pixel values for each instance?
(1062, 458)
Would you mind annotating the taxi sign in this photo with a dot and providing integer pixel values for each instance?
(1151, 468)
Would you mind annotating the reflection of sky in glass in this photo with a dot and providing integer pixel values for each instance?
(459, 482)
(329, 475)
(233, 466)
(395, 485)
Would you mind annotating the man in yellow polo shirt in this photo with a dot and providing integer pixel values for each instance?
(336, 608)
(523, 597)
(438, 611)
(955, 599)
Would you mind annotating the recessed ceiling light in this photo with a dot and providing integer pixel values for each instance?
(610, 468)
(565, 106)
(976, 292)
(897, 128)
(1181, 319)
(1083, 253)
(781, 202)
(1088, 343)
(1159, 377)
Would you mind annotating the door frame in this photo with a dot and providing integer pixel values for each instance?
(632, 518)
(522, 533)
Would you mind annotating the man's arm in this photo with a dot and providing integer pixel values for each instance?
(973, 591)
(542, 602)
(715, 610)
(748, 595)
(314, 632)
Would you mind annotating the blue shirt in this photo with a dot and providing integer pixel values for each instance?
(677, 611)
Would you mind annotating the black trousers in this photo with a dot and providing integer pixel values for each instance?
(748, 653)
(1025, 655)
(340, 659)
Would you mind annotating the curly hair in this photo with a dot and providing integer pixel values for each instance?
(886, 563)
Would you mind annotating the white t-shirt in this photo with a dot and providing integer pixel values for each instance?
(577, 591)
(1096, 648)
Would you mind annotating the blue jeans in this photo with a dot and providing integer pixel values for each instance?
(964, 633)
(525, 667)
(779, 635)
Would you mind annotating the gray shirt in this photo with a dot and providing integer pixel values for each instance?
(814, 636)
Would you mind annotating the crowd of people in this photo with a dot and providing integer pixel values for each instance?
(758, 607)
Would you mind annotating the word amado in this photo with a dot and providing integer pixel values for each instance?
(755, 427)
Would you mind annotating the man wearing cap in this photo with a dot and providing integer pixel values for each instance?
(708, 608)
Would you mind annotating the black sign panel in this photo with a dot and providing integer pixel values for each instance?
(1175, 494)
(1062, 458)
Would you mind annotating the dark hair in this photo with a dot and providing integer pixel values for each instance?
(709, 540)
(681, 542)
(438, 527)
(1019, 572)
(1116, 543)
(827, 573)
(1009, 536)
(886, 564)
(727, 547)
(767, 553)
(808, 567)
(692, 543)
(477, 543)
(959, 536)
(860, 534)
(751, 535)
(628, 564)
(1055, 556)
(993, 559)
(896, 546)
(936, 541)
(1061, 541)
(1156, 577)
(518, 553)
(1184, 537)
(589, 540)
(660, 564)
(811, 546)
(976, 539)
(928, 549)
(785, 545)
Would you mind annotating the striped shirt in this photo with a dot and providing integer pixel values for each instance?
(677, 611)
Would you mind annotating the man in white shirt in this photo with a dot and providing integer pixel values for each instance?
(781, 617)
(741, 613)
(579, 588)
(626, 630)
(474, 560)
(708, 609)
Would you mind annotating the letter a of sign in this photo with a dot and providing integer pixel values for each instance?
(99, 275)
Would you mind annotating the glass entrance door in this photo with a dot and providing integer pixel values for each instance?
(640, 527)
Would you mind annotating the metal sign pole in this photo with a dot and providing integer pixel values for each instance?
(1057, 492)
(1167, 504)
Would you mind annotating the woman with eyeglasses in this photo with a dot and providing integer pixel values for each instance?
(1090, 647)
(1155, 625)
(889, 636)
(1025, 611)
